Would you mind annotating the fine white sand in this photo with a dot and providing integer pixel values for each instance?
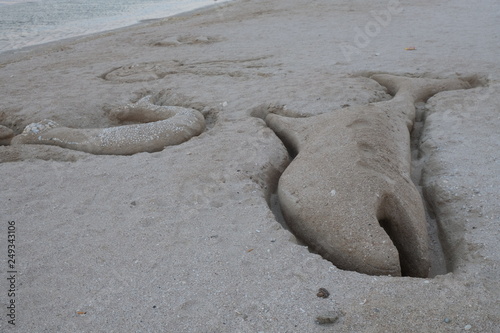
(183, 240)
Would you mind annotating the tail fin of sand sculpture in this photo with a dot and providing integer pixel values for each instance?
(348, 192)
(161, 126)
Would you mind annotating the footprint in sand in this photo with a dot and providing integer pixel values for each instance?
(186, 40)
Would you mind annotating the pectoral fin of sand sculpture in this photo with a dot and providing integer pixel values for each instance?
(160, 126)
(348, 192)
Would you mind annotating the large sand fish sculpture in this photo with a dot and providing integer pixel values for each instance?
(348, 192)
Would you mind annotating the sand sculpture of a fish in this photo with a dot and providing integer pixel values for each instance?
(348, 193)
(158, 126)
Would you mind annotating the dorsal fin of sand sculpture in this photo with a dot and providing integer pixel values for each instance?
(160, 126)
(348, 192)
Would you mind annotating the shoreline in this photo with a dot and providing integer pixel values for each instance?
(138, 23)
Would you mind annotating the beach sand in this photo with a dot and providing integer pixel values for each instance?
(184, 240)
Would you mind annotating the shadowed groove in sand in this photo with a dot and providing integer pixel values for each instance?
(437, 246)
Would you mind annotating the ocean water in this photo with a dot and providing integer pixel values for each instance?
(31, 22)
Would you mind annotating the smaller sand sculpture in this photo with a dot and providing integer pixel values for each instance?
(348, 192)
(160, 126)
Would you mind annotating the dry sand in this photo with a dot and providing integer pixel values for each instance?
(183, 240)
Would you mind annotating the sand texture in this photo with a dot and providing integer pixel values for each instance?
(186, 235)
